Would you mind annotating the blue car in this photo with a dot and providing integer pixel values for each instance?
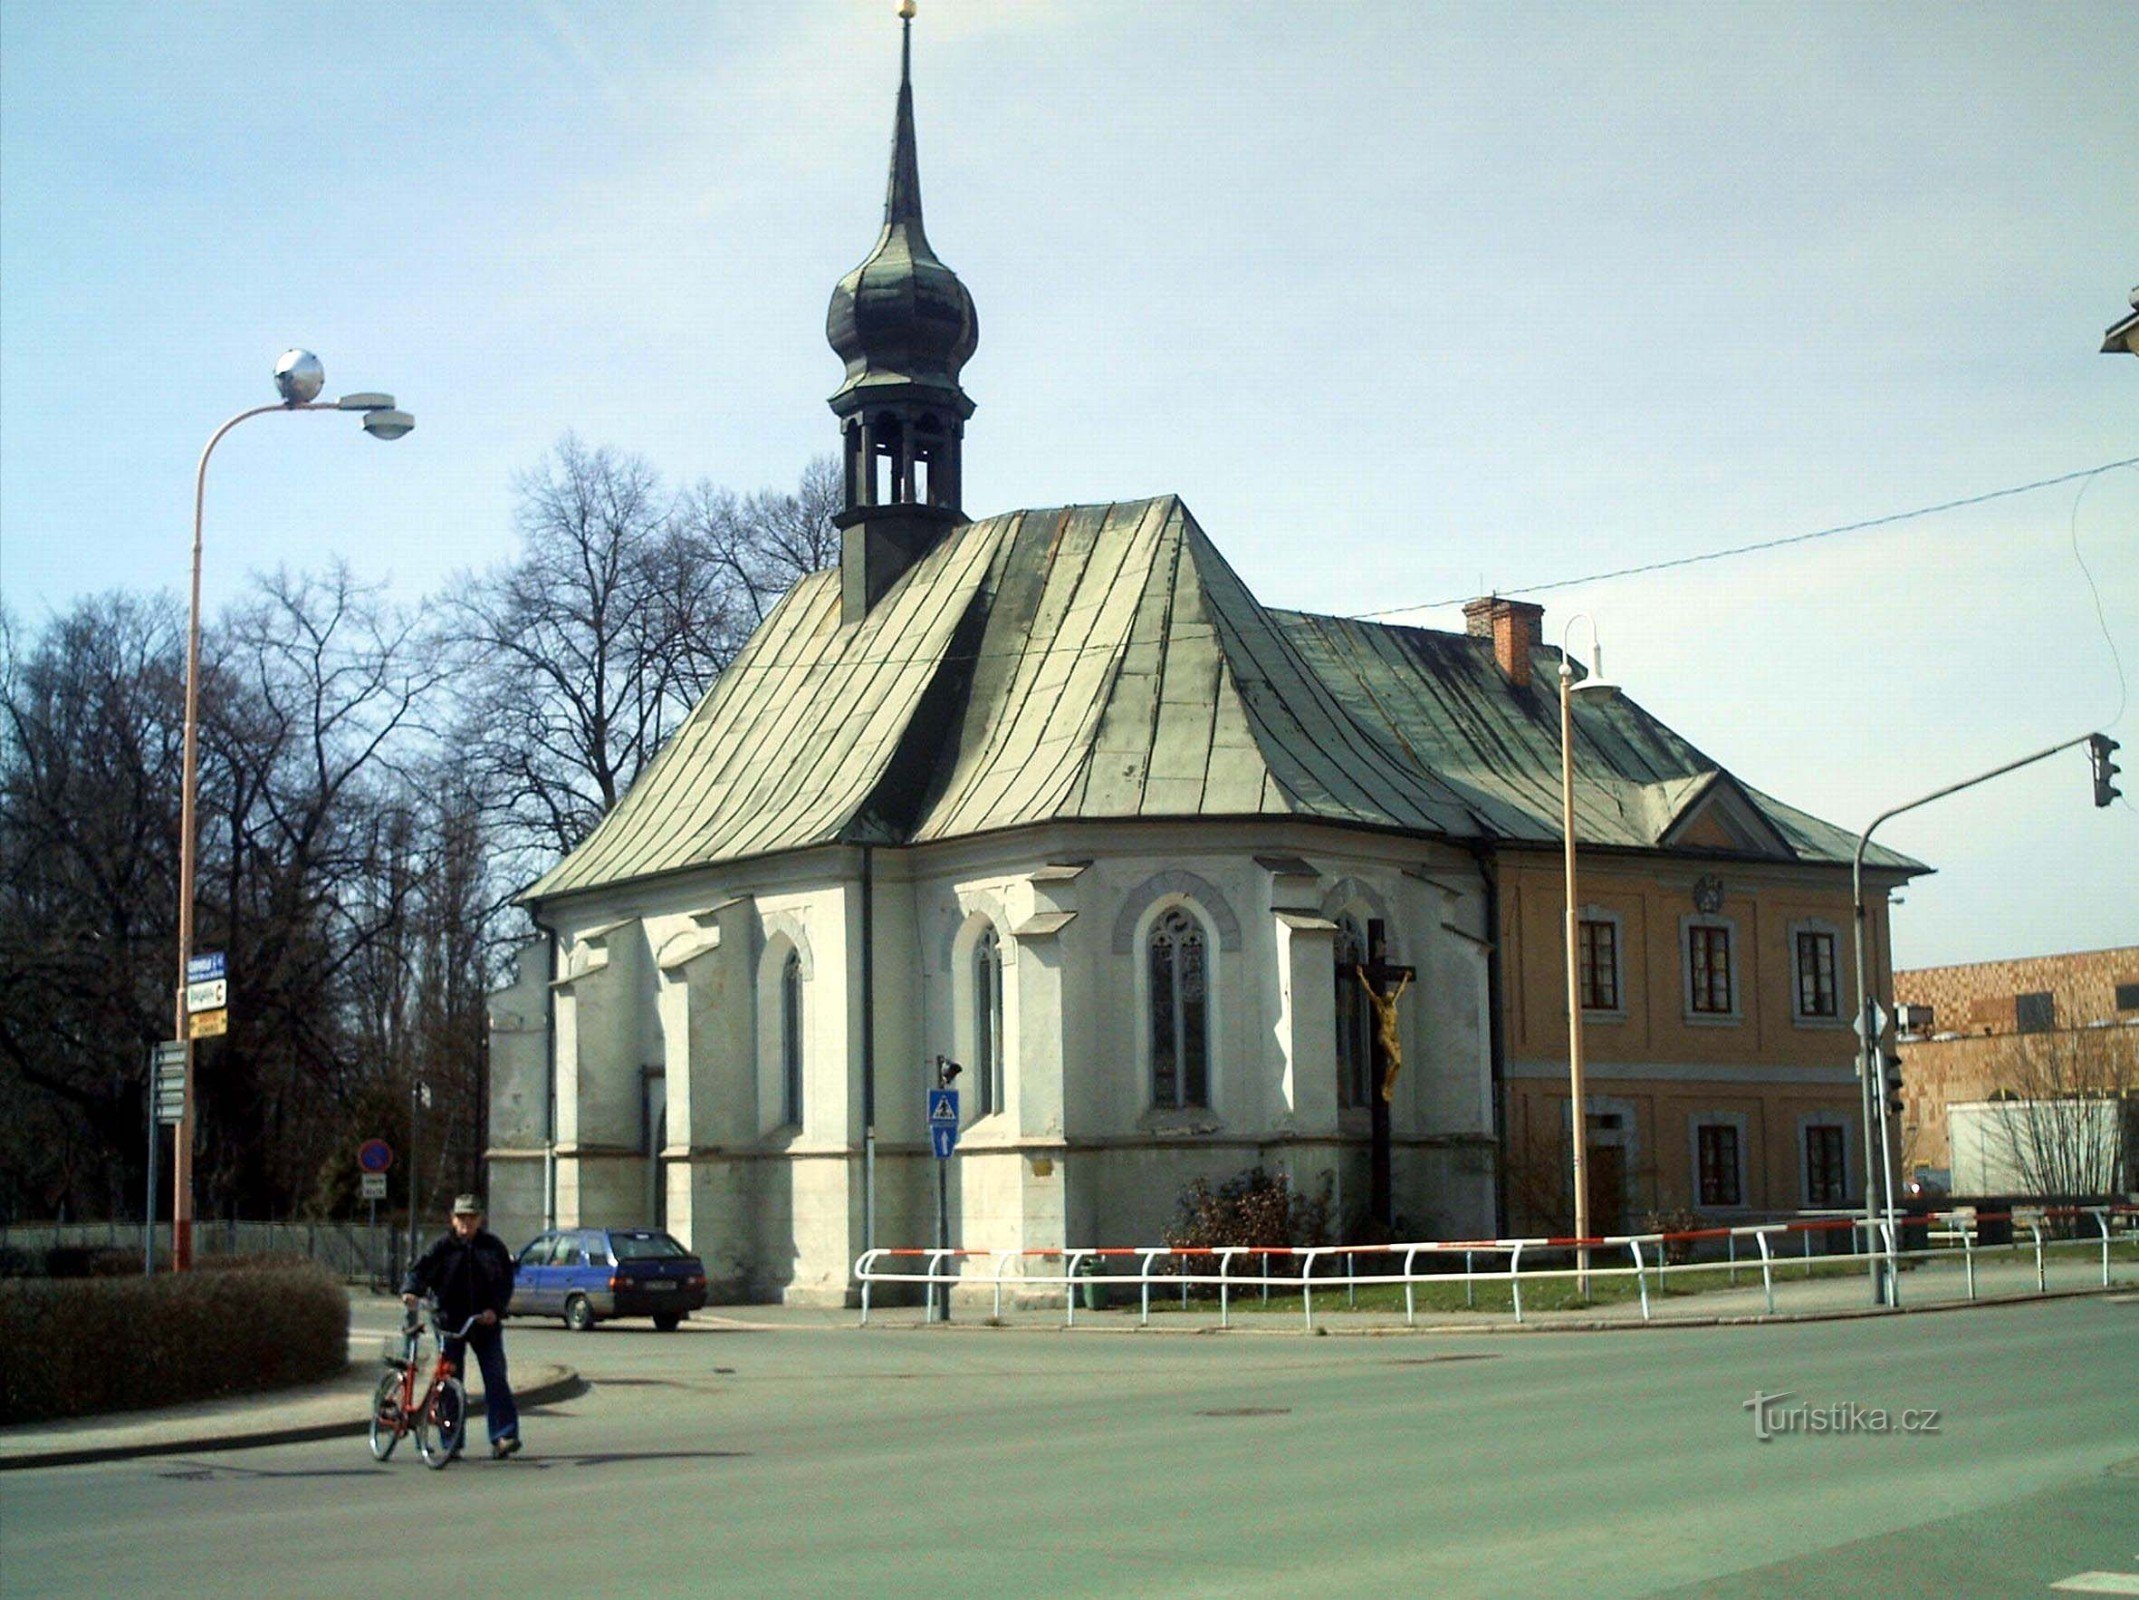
(589, 1275)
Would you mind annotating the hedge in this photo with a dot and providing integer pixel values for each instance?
(72, 1347)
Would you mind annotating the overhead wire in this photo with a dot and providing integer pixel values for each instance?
(2089, 473)
(916, 654)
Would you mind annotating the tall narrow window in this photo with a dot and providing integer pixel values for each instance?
(987, 1025)
(791, 1041)
(1599, 948)
(1355, 1022)
(1716, 1152)
(1180, 1014)
(1708, 970)
(1816, 995)
(1826, 1170)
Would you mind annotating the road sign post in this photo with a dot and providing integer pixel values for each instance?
(373, 1158)
(943, 1139)
(167, 1108)
(206, 966)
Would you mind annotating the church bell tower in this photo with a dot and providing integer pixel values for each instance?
(905, 326)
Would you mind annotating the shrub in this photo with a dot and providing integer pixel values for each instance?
(1677, 1252)
(79, 1346)
(1256, 1207)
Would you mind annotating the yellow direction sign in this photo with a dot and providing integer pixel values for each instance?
(207, 1024)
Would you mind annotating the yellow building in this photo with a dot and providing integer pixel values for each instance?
(1717, 999)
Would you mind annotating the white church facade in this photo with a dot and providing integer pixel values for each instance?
(1052, 796)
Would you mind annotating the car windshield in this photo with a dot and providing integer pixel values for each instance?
(645, 1247)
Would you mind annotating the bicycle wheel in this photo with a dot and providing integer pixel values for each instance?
(386, 1424)
(443, 1426)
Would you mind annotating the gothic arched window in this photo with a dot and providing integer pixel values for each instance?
(791, 1040)
(1355, 1018)
(987, 1024)
(1180, 1018)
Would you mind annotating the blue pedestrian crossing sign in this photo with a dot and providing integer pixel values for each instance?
(944, 1136)
(943, 1107)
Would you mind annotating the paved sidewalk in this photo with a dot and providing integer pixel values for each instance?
(339, 1406)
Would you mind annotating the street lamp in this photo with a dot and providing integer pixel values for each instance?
(1596, 686)
(299, 378)
(2122, 336)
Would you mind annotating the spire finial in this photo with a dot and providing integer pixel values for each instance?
(902, 200)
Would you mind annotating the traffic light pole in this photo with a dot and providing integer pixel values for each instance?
(1878, 1164)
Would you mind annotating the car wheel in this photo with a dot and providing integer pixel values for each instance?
(667, 1321)
(578, 1315)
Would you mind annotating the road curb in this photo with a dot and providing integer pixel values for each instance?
(552, 1383)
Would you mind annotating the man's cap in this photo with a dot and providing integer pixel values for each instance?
(468, 1205)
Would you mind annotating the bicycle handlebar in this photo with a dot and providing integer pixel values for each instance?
(430, 1309)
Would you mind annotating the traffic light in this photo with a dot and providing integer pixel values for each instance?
(1890, 1082)
(2098, 747)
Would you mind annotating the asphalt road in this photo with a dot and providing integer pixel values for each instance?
(835, 1460)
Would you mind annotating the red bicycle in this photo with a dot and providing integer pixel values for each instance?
(439, 1419)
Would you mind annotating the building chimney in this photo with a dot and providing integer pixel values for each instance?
(1516, 627)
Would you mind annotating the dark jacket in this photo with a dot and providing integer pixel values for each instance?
(468, 1277)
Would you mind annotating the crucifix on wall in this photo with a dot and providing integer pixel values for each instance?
(1384, 985)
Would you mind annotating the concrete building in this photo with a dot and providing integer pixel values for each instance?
(1052, 795)
(2034, 1029)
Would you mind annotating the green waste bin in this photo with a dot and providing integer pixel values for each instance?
(1092, 1283)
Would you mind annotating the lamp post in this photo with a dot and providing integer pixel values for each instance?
(2122, 336)
(298, 379)
(1595, 685)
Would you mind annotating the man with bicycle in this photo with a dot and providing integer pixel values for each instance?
(470, 1271)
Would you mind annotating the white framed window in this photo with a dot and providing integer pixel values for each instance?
(1600, 956)
(791, 1013)
(986, 1000)
(1815, 974)
(1719, 1161)
(784, 984)
(1708, 969)
(1823, 1160)
(1177, 1009)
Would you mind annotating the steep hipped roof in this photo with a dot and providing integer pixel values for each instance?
(1095, 662)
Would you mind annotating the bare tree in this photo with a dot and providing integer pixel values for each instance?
(90, 717)
(582, 653)
(2063, 1120)
(319, 711)
(764, 543)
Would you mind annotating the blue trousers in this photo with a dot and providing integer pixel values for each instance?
(488, 1342)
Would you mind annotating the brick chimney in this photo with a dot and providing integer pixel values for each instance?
(1516, 628)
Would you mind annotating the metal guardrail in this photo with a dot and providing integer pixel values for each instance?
(1331, 1270)
(348, 1249)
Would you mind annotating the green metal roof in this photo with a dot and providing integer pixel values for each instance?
(1105, 662)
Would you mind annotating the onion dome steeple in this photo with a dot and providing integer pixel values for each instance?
(905, 326)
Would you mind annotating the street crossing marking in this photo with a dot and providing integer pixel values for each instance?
(2099, 1583)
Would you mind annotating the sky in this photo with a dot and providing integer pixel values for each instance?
(1408, 302)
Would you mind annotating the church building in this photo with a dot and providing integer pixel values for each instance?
(1052, 796)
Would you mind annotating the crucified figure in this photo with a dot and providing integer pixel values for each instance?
(1392, 1047)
